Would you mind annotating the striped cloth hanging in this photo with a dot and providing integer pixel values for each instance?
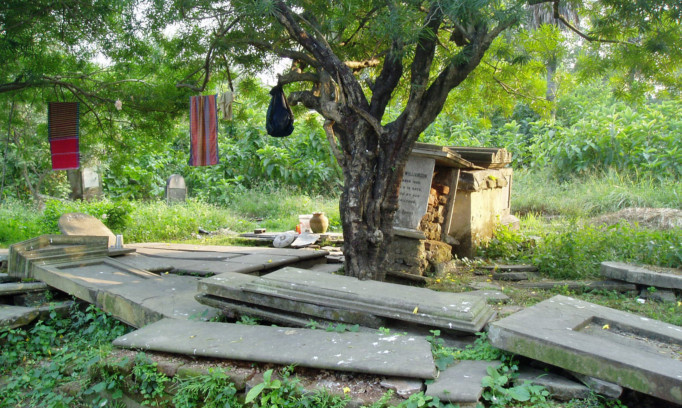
(203, 125)
(62, 132)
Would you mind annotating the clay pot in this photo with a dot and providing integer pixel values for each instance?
(319, 223)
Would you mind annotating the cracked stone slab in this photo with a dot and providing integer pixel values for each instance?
(301, 254)
(373, 353)
(16, 316)
(300, 288)
(147, 301)
(629, 350)
(134, 296)
(49, 249)
(664, 278)
(461, 383)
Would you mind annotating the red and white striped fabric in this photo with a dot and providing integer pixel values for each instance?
(62, 127)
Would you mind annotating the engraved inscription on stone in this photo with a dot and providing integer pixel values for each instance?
(176, 191)
(414, 192)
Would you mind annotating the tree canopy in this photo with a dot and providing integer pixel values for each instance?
(378, 72)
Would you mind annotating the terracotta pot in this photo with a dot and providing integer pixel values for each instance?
(319, 223)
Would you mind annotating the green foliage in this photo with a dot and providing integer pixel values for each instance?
(499, 395)
(480, 350)
(575, 248)
(419, 400)
(274, 392)
(18, 222)
(36, 361)
(212, 390)
(113, 214)
(151, 384)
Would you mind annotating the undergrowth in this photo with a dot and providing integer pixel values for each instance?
(575, 249)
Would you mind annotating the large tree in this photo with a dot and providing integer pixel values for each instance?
(378, 71)
(362, 57)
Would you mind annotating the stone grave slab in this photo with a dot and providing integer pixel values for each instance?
(144, 302)
(641, 275)
(629, 350)
(84, 279)
(413, 198)
(47, 249)
(84, 224)
(15, 288)
(373, 353)
(16, 316)
(134, 296)
(193, 255)
(461, 383)
(351, 297)
(176, 189)
(148, 263)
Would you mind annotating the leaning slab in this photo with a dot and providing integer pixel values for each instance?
(632, 351)
(461, 383)
(49, 249)
(664, 278)
(16, 288)
(304, 292)
(214, 259)
(16, 316)
(134, 296)
(373, 353)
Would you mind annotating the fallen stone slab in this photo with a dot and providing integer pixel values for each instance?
(204, 260)
(601, 387)
(509, 268)
(16, 316)
(514, 276)
(461, 383)
(404, 387)
(373, 353)
(491, 296)
(15, 288)
(629, 350)
(49, 249)
(305, 239)
(147, 263)
(658, 295)
(642, 275)
(147, 301)
(559, 387)
(296, 289)
(134, 296)
(578, 285)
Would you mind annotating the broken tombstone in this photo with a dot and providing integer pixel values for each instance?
(345, 299)
(632, 351)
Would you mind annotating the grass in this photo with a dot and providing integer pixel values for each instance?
(537, 192)
(160, 222)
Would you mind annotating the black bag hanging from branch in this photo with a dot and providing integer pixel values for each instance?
(280, 119)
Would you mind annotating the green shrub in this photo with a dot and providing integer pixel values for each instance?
(114, 214)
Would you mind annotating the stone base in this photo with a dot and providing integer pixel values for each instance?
(416, 256)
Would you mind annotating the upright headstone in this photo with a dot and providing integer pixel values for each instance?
(176, 190)
(92, 184)
(414, 192)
